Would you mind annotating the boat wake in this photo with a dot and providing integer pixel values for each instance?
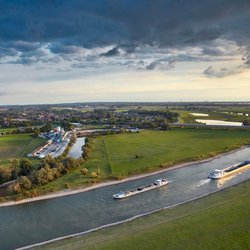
(202, 182)
(198, 184)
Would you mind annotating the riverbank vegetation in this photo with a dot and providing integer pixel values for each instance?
(118, 156)
(26, 176)
(217, 221)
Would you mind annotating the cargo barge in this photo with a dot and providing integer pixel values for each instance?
(156, 184)
(217, 174)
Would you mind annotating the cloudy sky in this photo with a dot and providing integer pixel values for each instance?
(54, 51)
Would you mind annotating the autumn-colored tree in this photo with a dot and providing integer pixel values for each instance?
(25, 183)
(84, 171)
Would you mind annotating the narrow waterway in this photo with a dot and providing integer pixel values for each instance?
(39, 221)
(76, 150)
(218, 122)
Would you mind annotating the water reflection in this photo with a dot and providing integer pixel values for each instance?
(76, 150)
(223, 181)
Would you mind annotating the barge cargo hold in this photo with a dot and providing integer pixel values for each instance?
(156, 184)
(217, 174)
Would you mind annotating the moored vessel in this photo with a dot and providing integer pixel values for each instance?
(217, 174)
(124, 194)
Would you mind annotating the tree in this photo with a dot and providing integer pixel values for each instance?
(60, 167)
(43, 175)
(165, 125)
(86, 152)
(16, 187)
(14, 166)
(25, 183)
(49, 160)
(84, 171)
(47, 127)
(49, 174)
(36, 132)
(70, 163)
(55, 172)
(246, 122)
(25, 166)
(5, 174)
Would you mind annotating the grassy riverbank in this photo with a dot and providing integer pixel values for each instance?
(123, 155)
(217, 221)
(115, 155)
(126, 154)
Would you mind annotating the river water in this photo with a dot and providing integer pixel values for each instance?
(39, 221)
(76, 150)
(219, 122)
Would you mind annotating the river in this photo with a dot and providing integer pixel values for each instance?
(43, 220)
(76, 150)
(219, 122)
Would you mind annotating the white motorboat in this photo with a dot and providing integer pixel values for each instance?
(217, 174)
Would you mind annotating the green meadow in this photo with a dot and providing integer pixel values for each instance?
(217, 221)
(126, 154)
(17, 146)
(115, 155)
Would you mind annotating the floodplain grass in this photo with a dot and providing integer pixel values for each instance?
(165, 148)
(114, 155)
(217, 221)
(18, 146)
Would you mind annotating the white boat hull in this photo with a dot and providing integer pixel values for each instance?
(122, 195)
(218, 174)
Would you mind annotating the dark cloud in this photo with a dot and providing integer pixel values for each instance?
(64, 49)
(161, 64)
(24, 46)
(211, 72)
(111, 52)
(246, 59)
(69, 26)
(100, 22)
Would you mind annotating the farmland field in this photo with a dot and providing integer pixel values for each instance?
(16, 146)
(133, 153)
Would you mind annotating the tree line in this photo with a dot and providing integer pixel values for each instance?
(26, 175)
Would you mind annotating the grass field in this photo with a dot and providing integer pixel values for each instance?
(217, 221)
(114, 155)
(17, 146)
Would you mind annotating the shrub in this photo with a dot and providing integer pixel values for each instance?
(84, 171)
(25, 183)
(94, 174)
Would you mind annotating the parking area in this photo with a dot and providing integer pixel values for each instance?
(54, 149)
